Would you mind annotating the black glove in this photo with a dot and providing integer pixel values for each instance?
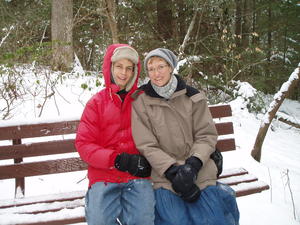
(196, 164)
(218, 159)
(187, 174)
(184, 185)
(191, 195)
(171, 172)
(136, 165)
(183, 179)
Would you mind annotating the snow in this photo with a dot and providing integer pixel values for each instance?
(20, 121)
(38, 199)
(245, 90)
(277, 97)
(279, 167)
(62, 214)
(289, 113)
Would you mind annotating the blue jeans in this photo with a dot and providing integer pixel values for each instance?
(215, 206)
(132, 203)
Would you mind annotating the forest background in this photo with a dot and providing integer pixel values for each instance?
(225, 47)
(221, 41)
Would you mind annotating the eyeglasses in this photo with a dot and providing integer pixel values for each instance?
(159, 69)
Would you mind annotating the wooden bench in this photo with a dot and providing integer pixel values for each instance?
(238, 178)
(67, 208)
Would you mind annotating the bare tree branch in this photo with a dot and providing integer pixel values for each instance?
(187, 36)
(3, 39)
(296, 125)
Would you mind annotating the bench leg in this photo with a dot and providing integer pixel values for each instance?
(19, 182)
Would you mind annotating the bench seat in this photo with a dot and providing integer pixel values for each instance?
(65, 208)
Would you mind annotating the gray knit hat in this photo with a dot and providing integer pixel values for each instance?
(164, 53)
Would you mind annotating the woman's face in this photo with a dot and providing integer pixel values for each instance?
(159, 71)
(123, 70)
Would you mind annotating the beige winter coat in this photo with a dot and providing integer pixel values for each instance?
(167, 132)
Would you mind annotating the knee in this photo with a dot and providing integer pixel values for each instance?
(144, 219)
(96, 217)
(141, 216)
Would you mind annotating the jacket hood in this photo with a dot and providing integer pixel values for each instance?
(106, 68)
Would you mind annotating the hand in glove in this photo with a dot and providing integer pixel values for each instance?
(171, 172)
(218, 159)
(136, 165)
(183, 179)
(188, 172)
(191, 194)
(195, 163)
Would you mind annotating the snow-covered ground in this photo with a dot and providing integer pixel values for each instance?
(280, 156)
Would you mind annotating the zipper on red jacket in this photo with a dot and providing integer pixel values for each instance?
(110, 93)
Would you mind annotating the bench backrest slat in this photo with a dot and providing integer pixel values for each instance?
(38, 130)
(224, 128)
(37, 149)
(220, 111)
(226, 145)
(42, 168)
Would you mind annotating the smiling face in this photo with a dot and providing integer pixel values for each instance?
(122, 71)
(159, 71)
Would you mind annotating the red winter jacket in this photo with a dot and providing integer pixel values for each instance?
(105, 129)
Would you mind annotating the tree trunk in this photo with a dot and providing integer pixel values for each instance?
(182, 15)
(269, 48)
(254, 23)
(246, 24)
(285, 90)
(61, 34)
(164, 18)
(111, 7)
(238, 23)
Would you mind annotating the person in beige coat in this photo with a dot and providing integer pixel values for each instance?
(173, 128)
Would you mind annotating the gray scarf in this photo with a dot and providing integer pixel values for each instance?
(167, 90)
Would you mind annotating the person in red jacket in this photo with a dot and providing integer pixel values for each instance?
(119, 184)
